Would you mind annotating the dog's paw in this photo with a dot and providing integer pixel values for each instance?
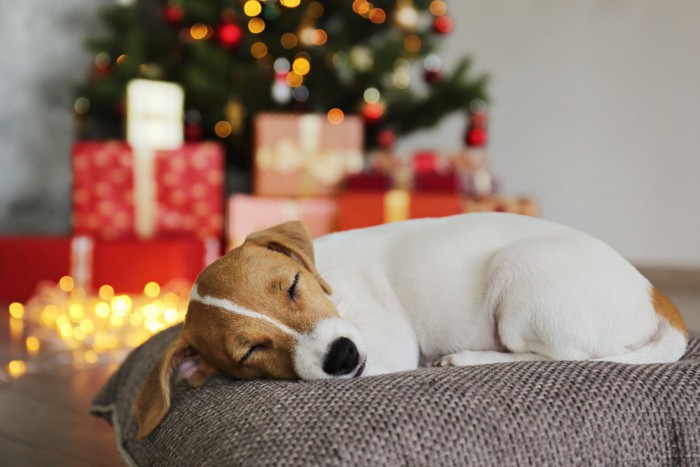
(444, 361)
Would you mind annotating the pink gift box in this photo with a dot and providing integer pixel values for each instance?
(305, 154)
(248, 214)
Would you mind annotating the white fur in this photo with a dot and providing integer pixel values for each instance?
(486, 288)
(239, 310)
(311, 349)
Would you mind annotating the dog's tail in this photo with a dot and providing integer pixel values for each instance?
(667, 346)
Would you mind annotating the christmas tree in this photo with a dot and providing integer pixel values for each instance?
(236, 58)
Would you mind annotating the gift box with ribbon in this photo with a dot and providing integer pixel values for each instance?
(248, 214)
(126, 265)
(357, 209)
(123, 192)
(305, 155)
(501, 203)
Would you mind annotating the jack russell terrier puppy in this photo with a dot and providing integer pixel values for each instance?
(463, 290)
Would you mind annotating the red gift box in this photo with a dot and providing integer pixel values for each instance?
(248, 214)
(185, 197)
(126, 265)
(365, 209)
(372, 180)
(433, 180)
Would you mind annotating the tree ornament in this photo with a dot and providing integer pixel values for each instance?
(281, 92)
(433, 69)
(173, 14)
(193, 125)
(476, 130)
(476, 137)
(406, 16)
(372, 112)
(361, 58)
(193, 132)
(443, 24)
(432, 76)
(230, 34)
(386, 138)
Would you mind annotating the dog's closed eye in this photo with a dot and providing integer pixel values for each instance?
(292, 292)
(251, 351)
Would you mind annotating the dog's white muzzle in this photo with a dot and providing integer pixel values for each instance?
(334, 349)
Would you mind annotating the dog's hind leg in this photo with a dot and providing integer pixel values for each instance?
(483, 357)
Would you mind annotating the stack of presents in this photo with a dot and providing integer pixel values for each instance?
(157, 211)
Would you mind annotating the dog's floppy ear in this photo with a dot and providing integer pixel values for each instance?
(180, 363)
(294, 240)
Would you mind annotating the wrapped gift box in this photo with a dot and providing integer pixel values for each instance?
(305, 155)
(371, 180)
(185, 197)
(126, 265)
(501, 203)
(248, 214)
(462, 172)
(448, 181)
(357, 209)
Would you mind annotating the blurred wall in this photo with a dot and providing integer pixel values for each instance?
(595, 109)
(41, 58)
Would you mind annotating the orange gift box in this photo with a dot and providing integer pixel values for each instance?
(126, 265)
(357, 209)
(305, 154)
(248, 214)
(183, 194)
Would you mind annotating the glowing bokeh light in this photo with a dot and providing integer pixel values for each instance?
(335, 116)
(222, 129)
(256, 25)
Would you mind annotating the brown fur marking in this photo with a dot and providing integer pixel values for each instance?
(257, 276)
(664, 307)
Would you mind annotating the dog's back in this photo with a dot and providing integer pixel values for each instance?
(479, 281)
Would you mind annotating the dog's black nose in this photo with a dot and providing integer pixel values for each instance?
(342, 357)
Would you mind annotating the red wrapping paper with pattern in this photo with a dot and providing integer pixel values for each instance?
(304, 154)
(188, 193)
(248, 214)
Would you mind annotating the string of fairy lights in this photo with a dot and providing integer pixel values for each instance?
(293, 67)
(66, 324)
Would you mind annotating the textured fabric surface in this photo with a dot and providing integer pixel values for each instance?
(525, 413)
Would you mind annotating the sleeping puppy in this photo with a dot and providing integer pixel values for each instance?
(463, 290)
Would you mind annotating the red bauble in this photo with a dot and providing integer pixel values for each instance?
(478, 119)
(443, 24)
(476, 137)
(386, 138)
(173, 14)
(230, 35)
(432, 76)
(193, 131)
(373, 112)
(102, 71)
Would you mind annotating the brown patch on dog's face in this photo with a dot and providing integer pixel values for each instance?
(264, 281)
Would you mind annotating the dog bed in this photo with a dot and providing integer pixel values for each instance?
(556, 413)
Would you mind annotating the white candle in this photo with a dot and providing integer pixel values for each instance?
(153, 122)
(154, 114)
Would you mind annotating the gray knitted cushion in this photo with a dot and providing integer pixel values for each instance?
(536, 413)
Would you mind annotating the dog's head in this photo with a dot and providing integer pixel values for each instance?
(260, 311)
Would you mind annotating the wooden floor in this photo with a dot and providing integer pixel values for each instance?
(44, 417)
